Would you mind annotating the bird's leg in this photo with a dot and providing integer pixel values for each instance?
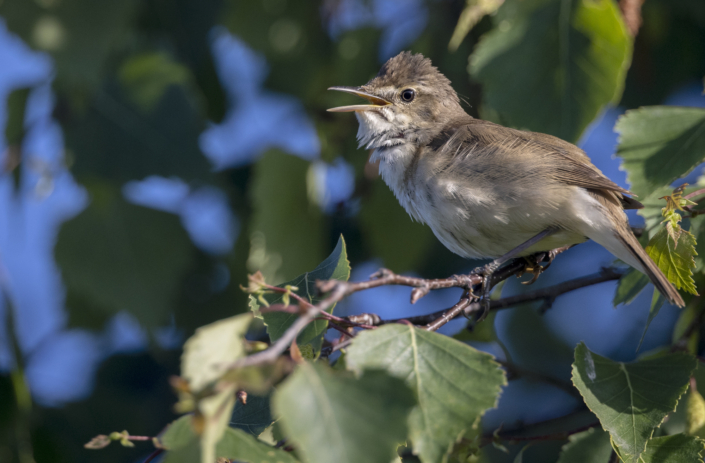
(487, 270)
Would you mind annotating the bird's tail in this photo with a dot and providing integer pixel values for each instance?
(614, 234)
(641, 261)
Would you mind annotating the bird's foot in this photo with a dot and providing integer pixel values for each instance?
(533, 266)
(534, 261)
(486, 272)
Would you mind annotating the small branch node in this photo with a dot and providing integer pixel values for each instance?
(382, 273)
(371, 319)
(418, 293)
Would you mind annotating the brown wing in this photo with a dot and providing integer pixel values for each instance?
(568, 163)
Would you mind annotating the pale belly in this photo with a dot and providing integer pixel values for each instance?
(474, 220)
(483, 227)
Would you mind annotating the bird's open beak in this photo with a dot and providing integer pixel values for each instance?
(376, 101)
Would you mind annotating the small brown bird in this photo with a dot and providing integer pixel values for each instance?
(488, 191)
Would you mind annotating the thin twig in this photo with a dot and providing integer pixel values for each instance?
(511, 436)
(695, 193)
(271, 354)
(337, 290)
(550, 294)
(554, 436)
(449, 315)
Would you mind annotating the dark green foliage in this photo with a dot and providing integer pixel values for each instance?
(136, 85)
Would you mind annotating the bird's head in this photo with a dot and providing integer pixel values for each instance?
(408, 99)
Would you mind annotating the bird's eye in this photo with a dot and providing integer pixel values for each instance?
(408, 95)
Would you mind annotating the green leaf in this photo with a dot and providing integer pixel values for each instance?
(678, 448)
(238, 445)
(115, 138)
(16, 109)
(333, 417)
(629, 286)
(657, 301)
(178, 434)
(79, 34)
(479, 332)
(183, 446)
(206, 357)
(685, 319)
(695, 414)
(116, 256)
(677, 263)
(453, 382)
(254, 416)
(519, 458)
(212, 348)
(631, 400)
(697, 228)
(334, 267)
(591, 446)
(660, 144)
(651, 212)
(287, 236)
(473, 12)
(573, 56)
(147, 76)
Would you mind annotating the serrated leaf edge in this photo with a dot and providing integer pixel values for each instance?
(680, 396)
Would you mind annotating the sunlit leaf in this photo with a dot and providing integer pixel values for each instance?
(697, 228)
(660, 144)
(631, 400)
(212, 348)
(207, 355)
(98, 442)
(333, 417)
(695, 414)
(591, 446)
(454, 383)
(677, 263)
(258, 379)
(178, 434)
(573, 56)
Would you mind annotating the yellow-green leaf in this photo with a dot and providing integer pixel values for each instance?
(695, 414)
(206, 357)
(677, 263)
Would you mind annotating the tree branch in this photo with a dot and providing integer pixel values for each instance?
(546, 294)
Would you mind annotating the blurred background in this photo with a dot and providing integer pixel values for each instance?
(156, 152)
